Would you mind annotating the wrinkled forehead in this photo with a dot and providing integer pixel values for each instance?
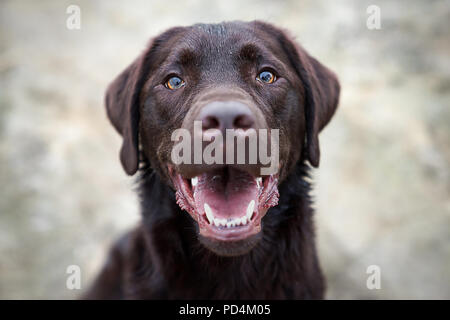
(216, 46)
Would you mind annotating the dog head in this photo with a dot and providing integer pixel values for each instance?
(213, 79)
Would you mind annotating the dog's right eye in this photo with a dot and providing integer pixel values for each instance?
(174, 83)
(266, 77)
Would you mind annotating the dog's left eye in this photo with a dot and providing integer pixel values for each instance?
(266, 77)
(174, 83)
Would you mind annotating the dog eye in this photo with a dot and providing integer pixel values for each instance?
(174, 83)
(266, 77)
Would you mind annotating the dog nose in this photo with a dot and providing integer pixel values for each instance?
(226, 115)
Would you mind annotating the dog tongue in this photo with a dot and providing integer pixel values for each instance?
(228, 192)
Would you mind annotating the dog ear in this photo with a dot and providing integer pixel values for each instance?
(322, 91)
(321, 88)
(122, 108)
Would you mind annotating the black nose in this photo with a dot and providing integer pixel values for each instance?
(226, 115)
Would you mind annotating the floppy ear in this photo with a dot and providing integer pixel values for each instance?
(122, 108)
(321, 90)
(321, 100)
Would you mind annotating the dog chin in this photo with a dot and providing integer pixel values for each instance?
(231, 248)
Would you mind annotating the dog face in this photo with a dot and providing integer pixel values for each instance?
(230, 76)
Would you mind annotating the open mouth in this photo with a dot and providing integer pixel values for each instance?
(227, 203)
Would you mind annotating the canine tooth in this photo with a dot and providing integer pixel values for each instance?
(208, 212)
(194, 181)
(250, 208)
(258, 181)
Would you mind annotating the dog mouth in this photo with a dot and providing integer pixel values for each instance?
(227, 203)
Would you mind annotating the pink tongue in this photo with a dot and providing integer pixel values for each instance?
(228, 192)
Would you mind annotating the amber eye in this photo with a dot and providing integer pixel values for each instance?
(266, 77)
(174, 83)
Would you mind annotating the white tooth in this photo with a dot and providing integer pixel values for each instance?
(228, 224)
(233, 223)
(258, 181)
(208, 212)
(194, 181)
(244, 220)
(216, 222)
(223, 222)
(250, 208)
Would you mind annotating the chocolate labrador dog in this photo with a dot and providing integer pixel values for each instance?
(219, 231)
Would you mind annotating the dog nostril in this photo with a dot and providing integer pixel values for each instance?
(243, 122)
(210, 123)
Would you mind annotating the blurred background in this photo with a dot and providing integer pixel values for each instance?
(382, 191)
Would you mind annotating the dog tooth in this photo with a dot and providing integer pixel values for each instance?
(250, 208)
(258, 181)
(209, 213)
(194, 181)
